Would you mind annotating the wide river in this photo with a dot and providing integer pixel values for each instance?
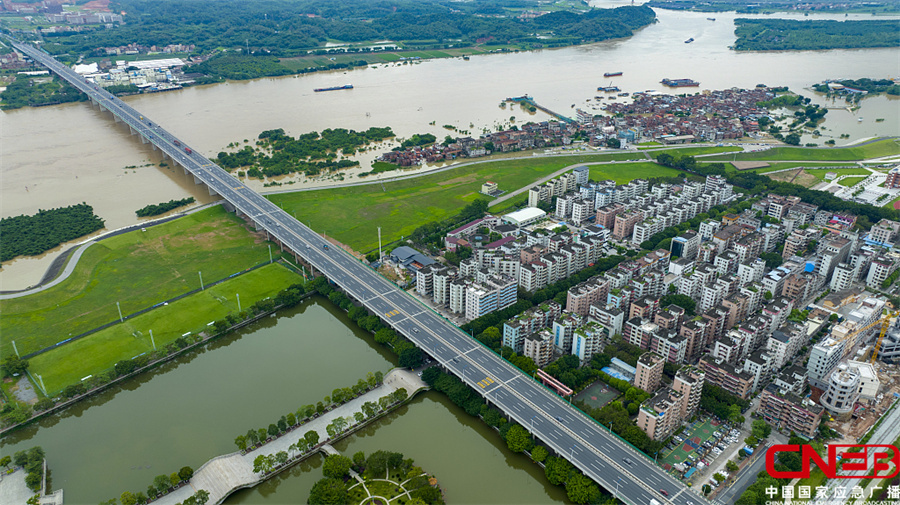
(191, 409)
(62, 155)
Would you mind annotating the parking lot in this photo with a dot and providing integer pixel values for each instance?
(698, 446)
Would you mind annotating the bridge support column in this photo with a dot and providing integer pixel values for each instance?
(197, 180)
(211, 191)
(132, 130)
(116, 118)
(144, 140)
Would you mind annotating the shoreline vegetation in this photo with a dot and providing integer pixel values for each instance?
(38, 233)
(795, 35)
(755, 7)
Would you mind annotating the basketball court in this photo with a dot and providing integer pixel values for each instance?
(597, 395)
(694, 437)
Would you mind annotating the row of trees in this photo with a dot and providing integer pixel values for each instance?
(255, 438)
(162, 485)
(580, 489)
(408, 354)
(38, 233)
(161, 208)
(722, 404)
(264, 464)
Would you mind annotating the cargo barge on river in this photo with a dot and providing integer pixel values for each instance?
(334, 88)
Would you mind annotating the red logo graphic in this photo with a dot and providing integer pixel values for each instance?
(855, 458)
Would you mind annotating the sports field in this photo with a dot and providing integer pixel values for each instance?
(99, 351)
(597, 395)
(137, 269)
(693, 438)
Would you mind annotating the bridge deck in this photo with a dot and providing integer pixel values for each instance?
(590, 447)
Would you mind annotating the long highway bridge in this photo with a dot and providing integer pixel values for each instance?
(630, 475)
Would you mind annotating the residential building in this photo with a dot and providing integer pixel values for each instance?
(563, 331)
(539, 347)
(588, 340)
(648, 375)
(661, 415)
(726, 376)
(788, 412)
(823, 358)
(689, 382)
(880, 269)
(624, 224)
(843, 392)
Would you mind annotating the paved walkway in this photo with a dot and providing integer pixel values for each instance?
(13, 490)
(227, 473)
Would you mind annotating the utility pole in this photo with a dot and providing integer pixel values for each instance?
(42, 383)
(270, 253)
(15, 348)
(379, 243)
(238, 300)
(121, 319)
(201, 280)
(152, 341)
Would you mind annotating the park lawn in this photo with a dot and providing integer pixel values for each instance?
(99, 351)
(624, 172)
(693, 151)
(351, 215)
(820, 174)
(850, 181)
(876, 149)
(137, 269)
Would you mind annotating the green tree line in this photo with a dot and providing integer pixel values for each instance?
(38, 233)
(789, 34)
(25, 91)
(291, 27)
(162, 208)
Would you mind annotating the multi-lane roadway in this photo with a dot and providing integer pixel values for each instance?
(601, 455)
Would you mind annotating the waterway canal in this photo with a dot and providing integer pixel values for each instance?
(191, 409)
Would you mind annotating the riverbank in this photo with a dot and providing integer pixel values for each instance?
(100, 386)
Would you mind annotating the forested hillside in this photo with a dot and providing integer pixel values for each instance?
(785, 34)
(290, 27)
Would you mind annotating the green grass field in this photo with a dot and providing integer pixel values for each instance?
(820, 174)
(692, 151)
(850, 181)
(137, 269)
(97, 352)
(351, 215)
(885, 147)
